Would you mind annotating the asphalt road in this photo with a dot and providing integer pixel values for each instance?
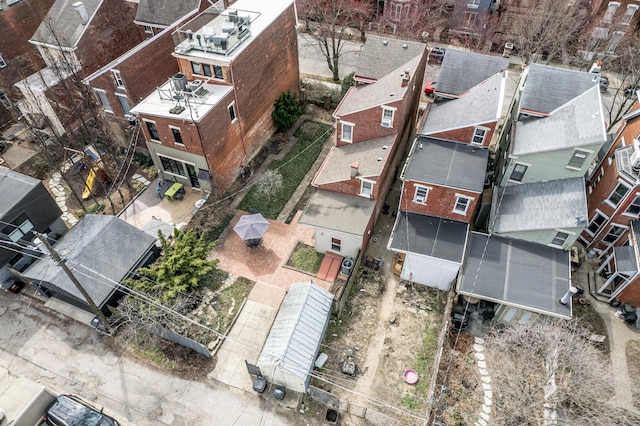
(68, 357)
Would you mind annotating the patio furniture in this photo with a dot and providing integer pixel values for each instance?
(252, 227)
(175, 192)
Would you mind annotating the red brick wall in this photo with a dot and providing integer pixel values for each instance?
(185, 67)
(605, 186)
(352, 186)
(110, 34)
(367, 123)
(465, 134)
(631, 293)
(440, 201)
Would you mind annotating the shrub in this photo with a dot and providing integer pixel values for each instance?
(287, 110)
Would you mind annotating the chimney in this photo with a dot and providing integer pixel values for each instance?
(82, 11)
(406, 76)
(354, 169)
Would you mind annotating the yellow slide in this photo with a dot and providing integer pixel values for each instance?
(89, 184)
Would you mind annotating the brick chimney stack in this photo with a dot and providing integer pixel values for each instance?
(354, 169)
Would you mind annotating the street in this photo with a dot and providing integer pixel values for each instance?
(68, 357)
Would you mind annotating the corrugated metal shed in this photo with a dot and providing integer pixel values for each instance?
(294, 341)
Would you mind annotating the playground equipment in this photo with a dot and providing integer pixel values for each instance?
(88, 186)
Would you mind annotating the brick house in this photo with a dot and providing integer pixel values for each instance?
(470, 17)
(205, 123)
(76, 38)
(18, 58)
(471, 118)
(156, 15)
(612, 26)
(435, 202)
(374, 121)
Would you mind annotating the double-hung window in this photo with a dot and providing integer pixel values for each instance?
(596, 223)
(153, 130)
(559, 239)
(462, 204)
(614, 234)
(634, 207)
(387, 118)
(420, 195)
(336, 244)
(628, 14)
(366, 188)
(618, 194)
(119, 80)
(177, 136)
(611, 10)
(479, 134)
(347, 132)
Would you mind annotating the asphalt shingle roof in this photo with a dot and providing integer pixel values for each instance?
(547, 88)
(164, 12)
(481, 104)
(378, 59)
(102, 246)
(539, 205)
(446, 163)
(14, 187)
(461, 71)
(66, 22)
(579, 122)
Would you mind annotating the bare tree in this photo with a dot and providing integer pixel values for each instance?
(269, 183)
(546, 29)
(549, 373)
(330, 22)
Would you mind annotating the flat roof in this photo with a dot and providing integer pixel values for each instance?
(429, 236)
(341, 212)
(516, 273)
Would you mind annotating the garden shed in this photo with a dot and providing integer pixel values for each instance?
(293, 344)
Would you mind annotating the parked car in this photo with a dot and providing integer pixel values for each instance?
(430, 89)
(69, 410)
(631, 91)
(436, 54)
(604, 83)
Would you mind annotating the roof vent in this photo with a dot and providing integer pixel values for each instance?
(82, 11)
(385, 147)
(385, 42)
(379, 159)
(405, 46)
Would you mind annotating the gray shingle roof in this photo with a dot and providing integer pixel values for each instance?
(429, 236)
(377, 59)
(446, 163)
(577, 123)
(14, 187)
(345, 213)
(66, 22)
(481, 104)
(547, 88)
(626, 259)
(539, 205)
(516, 273)
(337, 165)
(105, 244)
(386, 90)
(461, 71)
(297, 332)
(164, 12)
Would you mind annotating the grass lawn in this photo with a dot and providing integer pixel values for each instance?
(293, 167)
(633, 364)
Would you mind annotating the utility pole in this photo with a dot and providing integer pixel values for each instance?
(75, 281)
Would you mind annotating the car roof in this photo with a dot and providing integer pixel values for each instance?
(72, 411)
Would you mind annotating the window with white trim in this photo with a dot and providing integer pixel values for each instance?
(596, 223)
(559, 239)
(124, 103)
(153, 130)
(148, 29)
(517, 174)
(615, 40)
(473, 4)
(469, 19)
(118, 78)
(611, 10)
(462, 204)
(387, 118)
(104, 100)
(614, 234)
(232, 111)
(618, 194)
(366, 188)
(177, 135)
(577, 159)
(336, 244)
(479, 133)
(398, 11)
(3, 63)
(347, 132)
(634, 207)
(420, 196)
(628, 14)
(172, 166)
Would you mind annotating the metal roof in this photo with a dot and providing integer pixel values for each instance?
(14, 187)
(540, 205)
(516, 273)
(579, 122)
(341, 212)
(547, 88)
(429, 236)
(396, 54)
(164, 12)
(370, 155)
(447, 163)
(298, 330)
(626, 259)
(99, 248)
(461, 71)
(481, 104)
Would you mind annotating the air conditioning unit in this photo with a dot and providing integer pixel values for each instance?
(196, 88)
(387, 123)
